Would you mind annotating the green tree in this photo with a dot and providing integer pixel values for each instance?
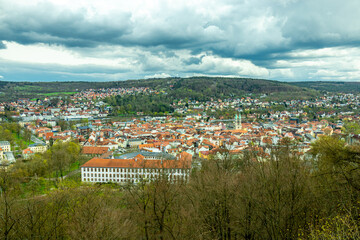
(351, 127)
(10, 212)
(62, 155)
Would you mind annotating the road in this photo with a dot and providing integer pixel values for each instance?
(36, 140)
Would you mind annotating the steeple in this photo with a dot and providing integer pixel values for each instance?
(237, 121)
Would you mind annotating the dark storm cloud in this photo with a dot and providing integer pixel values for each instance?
(323, 23)
(245, 30)
(44, 23)
(193, 60)
(164, 37)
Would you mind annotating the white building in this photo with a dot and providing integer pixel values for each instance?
(38, 147)
(136, 169)
(5, 153)
(5, 145)
(1, 154)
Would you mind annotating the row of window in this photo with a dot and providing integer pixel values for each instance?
(119, 175)
(175, 178)
(135, 170)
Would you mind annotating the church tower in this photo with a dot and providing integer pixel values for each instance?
(237, 121)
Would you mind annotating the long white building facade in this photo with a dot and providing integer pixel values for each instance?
(136, 169)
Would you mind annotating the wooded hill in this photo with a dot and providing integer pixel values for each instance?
(199, 88)
(345, 87)
(205, 88)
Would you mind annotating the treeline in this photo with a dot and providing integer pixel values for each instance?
(255, 196)
(197, 88)
(207, 88)
(146, 103)
(345, 87)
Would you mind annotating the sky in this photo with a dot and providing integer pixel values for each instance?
(110, 40)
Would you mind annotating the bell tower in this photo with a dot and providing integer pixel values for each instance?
(237, 121)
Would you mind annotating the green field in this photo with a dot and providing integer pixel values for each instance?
(57, 93)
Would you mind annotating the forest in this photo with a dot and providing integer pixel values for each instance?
(145, 103)
(327, 86)
(281, 195)
(197, 88)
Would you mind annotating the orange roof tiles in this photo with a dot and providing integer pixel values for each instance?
(94, 150)
(132, 163)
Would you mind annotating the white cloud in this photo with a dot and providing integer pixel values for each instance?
(281, 73)
(227, 66)
(49, 54)
(115, 39)
(158, 75)
(336, 63)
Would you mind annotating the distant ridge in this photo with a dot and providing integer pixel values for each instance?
(200, 88)
(345, 87)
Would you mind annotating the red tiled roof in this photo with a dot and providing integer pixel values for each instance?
(132, 163)
(94, 150)
(27, 151)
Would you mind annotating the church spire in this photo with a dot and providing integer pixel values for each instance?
(237, 121)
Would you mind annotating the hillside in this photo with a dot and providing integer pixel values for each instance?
(203, 88)
(345, 87)
(199, 88)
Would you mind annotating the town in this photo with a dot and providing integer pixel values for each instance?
(143, 144)
(227, 120)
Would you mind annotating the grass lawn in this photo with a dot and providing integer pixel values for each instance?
(37, 186)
